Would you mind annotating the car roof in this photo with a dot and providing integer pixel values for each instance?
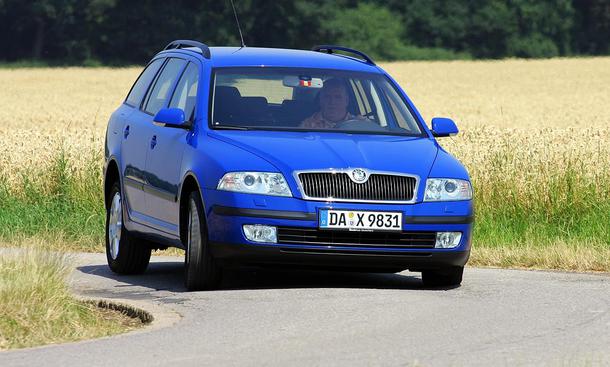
(278, 57)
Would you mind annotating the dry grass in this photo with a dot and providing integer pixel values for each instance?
(535, 138)
(47, 108)
(36, 307)
(528, 94)
(573, 256)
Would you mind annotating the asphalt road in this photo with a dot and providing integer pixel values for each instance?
(283, 318)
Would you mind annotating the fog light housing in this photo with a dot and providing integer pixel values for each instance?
(260, 233)
(448, 239)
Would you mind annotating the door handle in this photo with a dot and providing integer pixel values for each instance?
(153, 142)
(126, 132)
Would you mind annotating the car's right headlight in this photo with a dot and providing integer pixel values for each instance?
(447, 189)
(265, 183)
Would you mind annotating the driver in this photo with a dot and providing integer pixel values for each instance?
(333, 107)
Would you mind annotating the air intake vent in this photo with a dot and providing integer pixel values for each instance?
(395, 240)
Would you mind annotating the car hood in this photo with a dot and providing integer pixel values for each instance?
(296, 151)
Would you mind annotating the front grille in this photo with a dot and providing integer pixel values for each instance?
(338, 185)
(315, 236)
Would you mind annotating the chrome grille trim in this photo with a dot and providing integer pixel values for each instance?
(380, 186)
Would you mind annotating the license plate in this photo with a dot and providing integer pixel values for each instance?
(355, 220)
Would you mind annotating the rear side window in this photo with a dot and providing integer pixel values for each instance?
(158, 95)
(185, 94)
(141, 85)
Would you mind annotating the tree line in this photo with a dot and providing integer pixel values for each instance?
(118, 32)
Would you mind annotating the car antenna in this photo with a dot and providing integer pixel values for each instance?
(241, 36)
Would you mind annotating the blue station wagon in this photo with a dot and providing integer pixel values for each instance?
(300, 158)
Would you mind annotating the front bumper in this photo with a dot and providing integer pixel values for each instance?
(343, 259)
(228, 212)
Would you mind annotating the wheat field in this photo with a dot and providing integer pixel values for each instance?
(535, 137)
(489, 100)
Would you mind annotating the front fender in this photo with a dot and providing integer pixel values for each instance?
(210, 159)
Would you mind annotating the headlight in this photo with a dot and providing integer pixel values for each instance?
(265, 183)
(446, 189)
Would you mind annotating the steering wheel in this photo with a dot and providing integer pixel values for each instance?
(370, 115)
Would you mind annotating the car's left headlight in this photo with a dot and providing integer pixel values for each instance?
(266, 183)
(447, 189)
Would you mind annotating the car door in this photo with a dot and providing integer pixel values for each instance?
(164, 160)
(135, 140)
(164, 157)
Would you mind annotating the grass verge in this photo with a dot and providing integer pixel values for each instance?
(37, 308)
(529, 213)
(573, 256)
(59, 201)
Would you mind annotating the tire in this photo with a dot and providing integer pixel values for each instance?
(448, 277)
(201, 271)
(125, 253)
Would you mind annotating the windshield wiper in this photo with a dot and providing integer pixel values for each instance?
(230, 127)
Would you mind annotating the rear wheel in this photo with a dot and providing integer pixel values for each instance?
(201, 271)
(125, 253)
(447, 277)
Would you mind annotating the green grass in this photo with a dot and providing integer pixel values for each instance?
(58, 201)
(23, 64)
(543, 210)
(37, 308)
(525, 199)
(558, 218)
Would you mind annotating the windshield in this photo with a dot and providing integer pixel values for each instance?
(309, 100)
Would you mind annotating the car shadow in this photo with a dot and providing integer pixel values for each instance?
(168, 276)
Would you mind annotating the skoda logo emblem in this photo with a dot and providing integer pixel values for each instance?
(359, 175)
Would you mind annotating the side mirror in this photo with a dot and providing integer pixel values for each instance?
(442, 126)
(171, 117)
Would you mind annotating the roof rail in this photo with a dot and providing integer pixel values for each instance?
(329, 49)
(205, 50)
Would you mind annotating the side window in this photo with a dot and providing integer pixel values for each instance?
(185, 94)
(159, 93)
(141, 85)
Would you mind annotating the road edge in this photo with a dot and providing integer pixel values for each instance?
(162, 317)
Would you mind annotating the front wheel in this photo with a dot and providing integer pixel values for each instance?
(125, 253)
(448, 277)
(201, 271)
